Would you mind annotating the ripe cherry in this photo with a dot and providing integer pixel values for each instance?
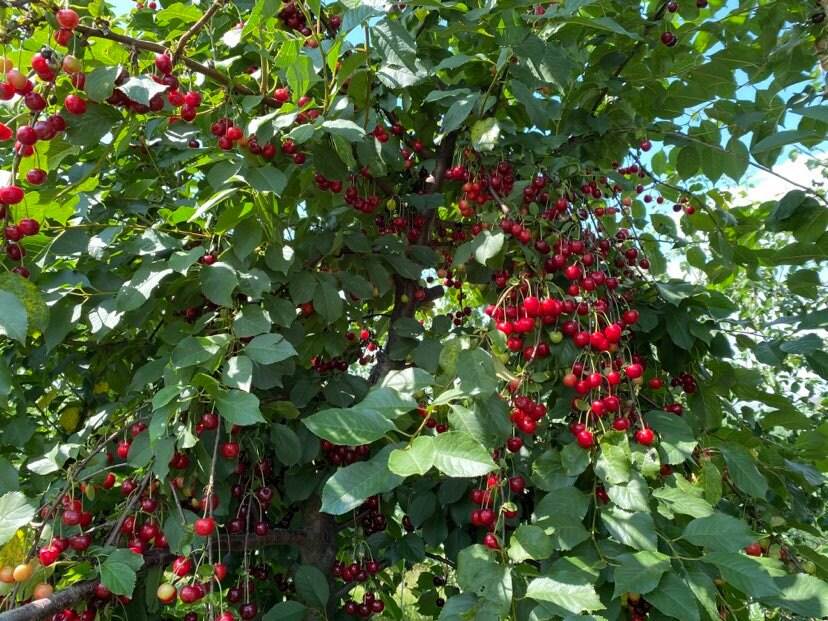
(28, 226)
(204, 527)
(181, 566)
(645, 436)
(48, 555)
(163, 63)
(282, 94)
(517, 484)
(490, 541)
(229, 450)
(74, 104)
(67, 18)
(585, 439)
(220, 571)
(753, 549)
(123, 449)
(36, 176)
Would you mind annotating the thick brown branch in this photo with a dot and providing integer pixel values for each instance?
(43, 608)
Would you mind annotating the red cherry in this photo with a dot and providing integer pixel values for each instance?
(36, 176)
(67, 18)
(753, 549)
(634, 371)
(220, 571)
(75, 104)
(48, 555)
(621, 424)
(28, 226)
(490, 541)
(204, 527)
(229, 450)
(163, 63)
(585, 439)
(514, 444)
(123, 449)
(645, 436)
(282, 94)
(109, 481)
(181, 566)
(517, 484)
(26, 135)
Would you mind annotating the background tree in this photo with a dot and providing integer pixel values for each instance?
(351, 309)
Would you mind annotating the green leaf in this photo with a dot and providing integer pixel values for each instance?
(674, 598)
(639, 572)
(479, 572)
(631, 496)
(476, 372)
(141, 89)
(685, 500)
(16, 511)
(218, 282)
(742, 470)
(688, 162)
(530, 542)
(119, 571)
(719, 532)
(744, 573)
(286, 611)
(614, 464)
(676, 440)
(416, 458)
(804, 595)
(780, 139)
(266, 179)
(458, 112)
(14, 320)
(460, 455)
(349, 427)
(269, 349)
(804, 283)
(288, 446)
(239, 408)
(100, 82)
(312, 586)
(485, 134)
(238, 373)
(600, 23)
(327, 302)
(632, 529)
(344, 128)
(573, 595)
(194, 350)
(349, 487)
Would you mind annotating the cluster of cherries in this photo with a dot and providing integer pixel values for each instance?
(293, 18)
(360, 571)
(430, 419)
(487, 514)
(371, 604)
(479, 187)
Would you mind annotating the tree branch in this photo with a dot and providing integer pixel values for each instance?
(150, 46)
(404, 301)
(662, 9)
(194, 29)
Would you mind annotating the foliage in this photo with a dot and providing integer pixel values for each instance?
(307, 297)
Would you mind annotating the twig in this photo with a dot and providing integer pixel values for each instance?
(194, 29)
(442, 559)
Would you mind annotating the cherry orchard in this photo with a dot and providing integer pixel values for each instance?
(365, 309)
